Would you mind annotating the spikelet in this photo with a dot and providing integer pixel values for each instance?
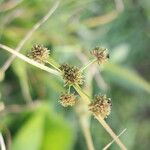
(71, 75)
(100, 54)
(101, 106)
(67, 99)
(39, 53)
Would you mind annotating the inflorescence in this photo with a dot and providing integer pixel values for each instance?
(101, 106)
(67, 99)
(71, 75)
(39, 53)
(101, 54)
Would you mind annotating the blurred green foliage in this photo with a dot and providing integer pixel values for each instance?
(73, 30)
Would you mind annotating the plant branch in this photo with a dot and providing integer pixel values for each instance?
(29, 34)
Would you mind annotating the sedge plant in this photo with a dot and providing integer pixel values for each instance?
(73, 77)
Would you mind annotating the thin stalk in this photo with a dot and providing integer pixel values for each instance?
(54, 64)
(30, 61)
(69, 89)
(109, 144)
(84, 96)
(88, 64)
(101, 120)
(29, 34)
(110, 131)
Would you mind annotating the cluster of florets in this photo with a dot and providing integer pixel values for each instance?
(101, 54)
(39, 53)
(71, 75)
(67, 99)
(101, 106)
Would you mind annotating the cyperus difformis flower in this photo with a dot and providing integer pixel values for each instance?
(101, 54)
(39, 53)
(101, 106)
(67, 99)
(71, 75)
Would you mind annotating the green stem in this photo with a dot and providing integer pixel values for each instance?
(53, 63)
(87, 65)
(84, 96)
(111, 132)
(69, 89)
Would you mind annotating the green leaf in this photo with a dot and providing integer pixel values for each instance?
(45, 130)
(57, 135)
(30, 135)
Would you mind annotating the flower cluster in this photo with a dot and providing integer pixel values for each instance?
(39, 53)
(101, 106)
(71, 75)
(100, 54)
(67, 99)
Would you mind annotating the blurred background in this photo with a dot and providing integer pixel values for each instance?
(31, 116)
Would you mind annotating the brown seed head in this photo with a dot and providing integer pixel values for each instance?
(100, 54)
(67, 99)
(101, 106)
(39, 53)
(72, 75)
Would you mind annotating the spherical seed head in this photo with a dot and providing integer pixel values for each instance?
(71, 74)
(101, 106)
(100, 54)
(67, 99)
(39, 53)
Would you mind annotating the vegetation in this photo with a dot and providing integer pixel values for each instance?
(59, 63)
